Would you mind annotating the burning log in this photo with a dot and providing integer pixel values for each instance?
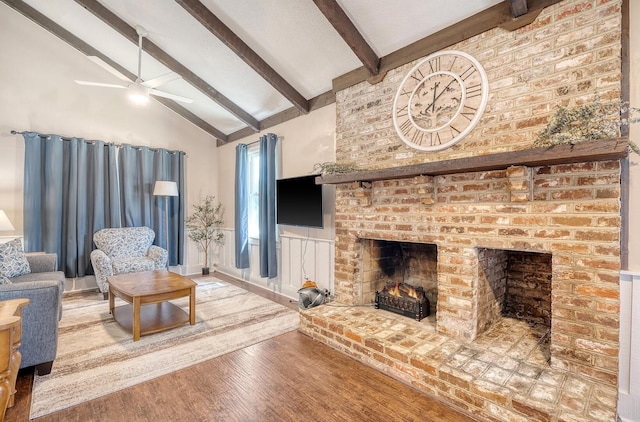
(403, 299)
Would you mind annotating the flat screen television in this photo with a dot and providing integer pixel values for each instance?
(299, 202)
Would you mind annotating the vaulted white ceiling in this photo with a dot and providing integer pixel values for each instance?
(292, 37)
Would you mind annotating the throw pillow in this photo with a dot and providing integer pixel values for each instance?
(13, 261)
(4, 280)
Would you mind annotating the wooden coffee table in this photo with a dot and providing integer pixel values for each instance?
(148, 294)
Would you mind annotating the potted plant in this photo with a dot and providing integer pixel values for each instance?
(203, 227)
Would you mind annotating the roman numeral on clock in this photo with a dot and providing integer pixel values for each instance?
(474, 91)
(468, 72)
(435, 64)
(404, 111)
(420, 76)
(406, 127)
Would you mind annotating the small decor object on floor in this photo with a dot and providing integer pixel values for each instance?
(204, 225)
(309, 295)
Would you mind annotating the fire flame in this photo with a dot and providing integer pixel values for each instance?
(407, 291)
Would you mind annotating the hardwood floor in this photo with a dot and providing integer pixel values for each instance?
(286, 378)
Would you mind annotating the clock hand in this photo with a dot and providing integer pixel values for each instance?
(444, 90)
(433, 104)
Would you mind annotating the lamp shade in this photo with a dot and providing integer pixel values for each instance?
(5, 223)
(165, 188)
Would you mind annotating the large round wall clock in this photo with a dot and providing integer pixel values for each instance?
(440, 100)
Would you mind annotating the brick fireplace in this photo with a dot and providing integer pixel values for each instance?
(531, 278)
(518, 249)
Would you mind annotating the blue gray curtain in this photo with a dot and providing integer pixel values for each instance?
(139, 168)
(70, 191)
(241, 214)
(267, 206)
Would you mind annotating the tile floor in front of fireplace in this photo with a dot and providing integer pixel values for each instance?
(511, 358)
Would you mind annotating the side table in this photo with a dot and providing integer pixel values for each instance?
(10, 357)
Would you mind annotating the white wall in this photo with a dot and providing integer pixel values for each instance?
(39, 94)
(634, 135)
(629, 385)
(304, 141)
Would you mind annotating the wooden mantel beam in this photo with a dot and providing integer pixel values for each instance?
(610, 149)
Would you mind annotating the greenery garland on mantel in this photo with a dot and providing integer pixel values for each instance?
(588, 122)
(334, 168)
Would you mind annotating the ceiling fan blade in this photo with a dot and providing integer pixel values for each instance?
(161, 80)
(170, 96)
(106, 66)
(100, 84)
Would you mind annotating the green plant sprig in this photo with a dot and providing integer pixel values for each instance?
(334, 168)
(592, 121)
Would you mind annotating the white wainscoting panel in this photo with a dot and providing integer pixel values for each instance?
(297, 257)
(629, 367)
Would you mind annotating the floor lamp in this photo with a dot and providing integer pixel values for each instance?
(166, 188)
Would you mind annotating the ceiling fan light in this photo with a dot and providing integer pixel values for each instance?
(138, 94)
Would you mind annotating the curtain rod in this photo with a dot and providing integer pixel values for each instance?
(280, 138)
(15, 132)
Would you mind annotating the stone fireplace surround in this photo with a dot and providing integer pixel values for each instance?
(566, 214)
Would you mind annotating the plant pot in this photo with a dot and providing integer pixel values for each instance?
(205, 270)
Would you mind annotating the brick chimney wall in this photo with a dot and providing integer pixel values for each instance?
(572, 212)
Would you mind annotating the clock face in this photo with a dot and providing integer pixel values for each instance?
(440, 100)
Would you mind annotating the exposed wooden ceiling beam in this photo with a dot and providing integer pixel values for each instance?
(350, 34)
(518, 8)
(75, 42)
(210, 21)
(493, 17)
(284, 116)
(156, 52)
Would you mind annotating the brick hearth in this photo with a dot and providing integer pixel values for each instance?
(503, 374)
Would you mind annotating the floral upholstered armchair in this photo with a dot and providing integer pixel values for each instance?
(125, 250)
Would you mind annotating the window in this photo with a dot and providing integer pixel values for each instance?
(253, 156)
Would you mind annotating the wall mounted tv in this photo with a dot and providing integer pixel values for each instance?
(299, 202)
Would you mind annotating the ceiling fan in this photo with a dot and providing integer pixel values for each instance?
(139, 90)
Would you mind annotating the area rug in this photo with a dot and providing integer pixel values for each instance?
(97, 357)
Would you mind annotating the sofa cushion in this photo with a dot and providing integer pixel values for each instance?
(50, 275)
(132, 265)
(125, 241)
(13, 261)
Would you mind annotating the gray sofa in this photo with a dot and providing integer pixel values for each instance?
(43, 287)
